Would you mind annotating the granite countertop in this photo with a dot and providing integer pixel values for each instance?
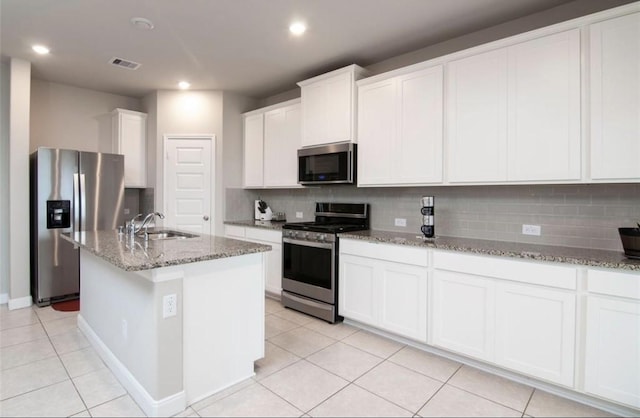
(119, 251)
(571, 255)
(277, 225)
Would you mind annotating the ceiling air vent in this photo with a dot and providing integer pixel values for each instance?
(122, 63)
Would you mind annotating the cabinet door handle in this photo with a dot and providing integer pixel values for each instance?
(205, 217)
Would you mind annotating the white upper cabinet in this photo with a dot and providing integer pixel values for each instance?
(329, 106)
(281, 143)
(271, 142)
(477, 118)
(253, 150)
(615, 98)
(544, 108)
(400, 129)
(514, 113)
(129, 137)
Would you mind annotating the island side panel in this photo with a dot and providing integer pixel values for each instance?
(223, 323)
(124, 310)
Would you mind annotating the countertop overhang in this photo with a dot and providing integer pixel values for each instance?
(136, 255)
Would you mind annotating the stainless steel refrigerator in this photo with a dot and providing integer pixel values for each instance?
(71, 191)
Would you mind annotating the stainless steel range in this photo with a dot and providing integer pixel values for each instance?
(310, 258)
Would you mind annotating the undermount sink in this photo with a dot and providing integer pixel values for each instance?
(169, 234)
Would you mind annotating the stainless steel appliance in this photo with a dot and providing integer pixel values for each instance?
(327, 164)
(310, 258)
(428, 227)
(71, 191)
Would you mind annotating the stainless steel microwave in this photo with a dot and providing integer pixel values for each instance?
(327, 164)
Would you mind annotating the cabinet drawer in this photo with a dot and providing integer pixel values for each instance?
(396, 253)
(268, 235)
(519, 271)
(234, 231)
(614, 283)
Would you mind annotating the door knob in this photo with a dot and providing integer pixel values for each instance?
(205, 217)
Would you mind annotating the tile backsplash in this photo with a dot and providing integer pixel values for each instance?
(571, 215)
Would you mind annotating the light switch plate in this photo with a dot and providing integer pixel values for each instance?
(299, 215)
(400, 222)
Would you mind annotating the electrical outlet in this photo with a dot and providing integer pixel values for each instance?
(401, 222)
(125, 329)
(299, 215)
(126, 211)
(531, 229)
(169, 305)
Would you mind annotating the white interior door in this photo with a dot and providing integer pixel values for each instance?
(188, 183)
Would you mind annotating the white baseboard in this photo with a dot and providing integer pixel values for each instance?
(165, 407)
(4, 298)
(19, 303)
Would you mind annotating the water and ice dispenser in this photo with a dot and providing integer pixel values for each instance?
(58, 214)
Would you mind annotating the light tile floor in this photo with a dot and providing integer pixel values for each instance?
(311, 368)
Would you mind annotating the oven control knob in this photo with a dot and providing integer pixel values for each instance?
(322, 237)
(306, 235)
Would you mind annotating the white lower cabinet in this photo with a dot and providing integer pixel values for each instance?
(503, 312)
(462, 317)
(383, 289)
(535, 331)
(273, 275)
(612, 355)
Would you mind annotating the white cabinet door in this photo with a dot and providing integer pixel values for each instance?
(281, 143)
(615, 98)
(376, 132)
(477, 118)
(253, 150)
(535, 331)
(327, 110)
(400, 129)
(419, 112)
(357, 289)
(328, 106)
(544, 108)
(403, 308)
(612, 362)
(130, 140)
(463, 314)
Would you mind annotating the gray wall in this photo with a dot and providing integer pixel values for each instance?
(70, 117)
(573, 215)
(4, 178)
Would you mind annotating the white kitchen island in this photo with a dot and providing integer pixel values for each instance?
(175, 320)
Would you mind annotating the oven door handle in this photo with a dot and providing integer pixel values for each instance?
(328, 246)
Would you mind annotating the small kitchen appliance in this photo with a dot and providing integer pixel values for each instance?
(327, 164)
(630, 238)
(310, 258)
(428, 227)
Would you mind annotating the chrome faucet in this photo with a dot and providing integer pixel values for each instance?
(145, 223)
(131, 226)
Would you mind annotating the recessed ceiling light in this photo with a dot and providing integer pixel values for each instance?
(184, 85)
(40, 49)
(297, 28)
(142, 23)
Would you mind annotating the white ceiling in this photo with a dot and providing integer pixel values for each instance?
(237, 45)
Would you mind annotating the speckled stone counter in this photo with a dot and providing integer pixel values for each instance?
(258, 224)
(578, 256)
(119, 251)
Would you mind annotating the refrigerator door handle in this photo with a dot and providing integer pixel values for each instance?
(76, 202)
(83, 204)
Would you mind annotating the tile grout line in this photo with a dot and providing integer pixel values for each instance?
(524, 411)
(439, 389)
